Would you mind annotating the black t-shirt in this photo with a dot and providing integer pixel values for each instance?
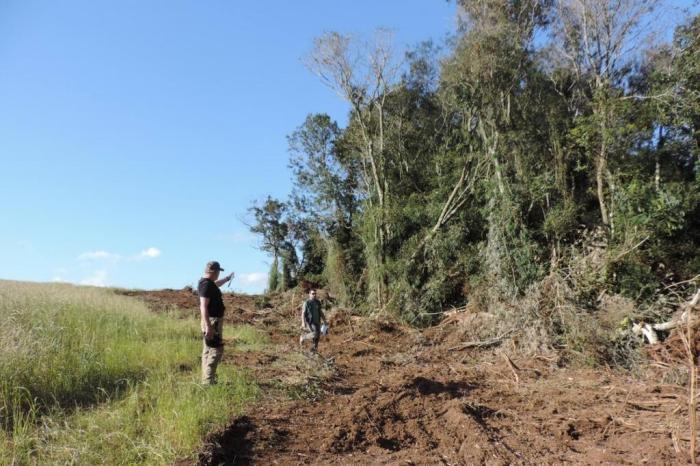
(208, 289)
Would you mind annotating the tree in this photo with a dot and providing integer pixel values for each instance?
(486, 86)
(601, 40)
(325, 182)
(273, 279)
(364, 76)
(278, 234)
(541, 125)
(269, 224)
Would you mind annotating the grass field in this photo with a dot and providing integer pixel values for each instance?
(89, 377)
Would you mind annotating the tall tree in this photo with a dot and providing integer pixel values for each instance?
(364, 75)
(325, 182)
(486, 83)
(601, 40)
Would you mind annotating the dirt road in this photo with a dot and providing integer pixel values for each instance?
(380, 393)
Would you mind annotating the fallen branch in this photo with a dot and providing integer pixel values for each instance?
(379, 432)
(690, 280)
(624, 253)
(670, 325)
(513, 367)
(481, 344)
(649, 330)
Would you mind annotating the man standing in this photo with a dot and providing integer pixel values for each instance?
(311, 317)
(211, 308)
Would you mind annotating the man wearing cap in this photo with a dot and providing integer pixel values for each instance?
(211, 308)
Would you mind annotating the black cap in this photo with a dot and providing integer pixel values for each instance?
(213, 266)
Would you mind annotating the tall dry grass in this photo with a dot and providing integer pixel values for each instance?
(89, 377)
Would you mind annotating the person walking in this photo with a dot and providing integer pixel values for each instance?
(211, 308)
(311, 317)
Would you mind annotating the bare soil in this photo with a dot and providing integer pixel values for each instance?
(382, 393)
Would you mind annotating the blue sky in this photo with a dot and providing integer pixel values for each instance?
(135, 134)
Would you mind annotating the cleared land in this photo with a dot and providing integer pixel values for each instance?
(381, 393)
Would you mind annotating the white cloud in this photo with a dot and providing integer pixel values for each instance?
(150, 253)
(254, 278)
(99, 255)
(98, 278)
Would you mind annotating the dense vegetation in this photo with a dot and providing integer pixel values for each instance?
(89, 377)
(547, 158)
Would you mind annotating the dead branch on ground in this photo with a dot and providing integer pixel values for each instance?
(513, 368)
(481, 344)
(650, 330)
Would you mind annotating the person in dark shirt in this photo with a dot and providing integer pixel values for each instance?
(311, 317)
(211, 308)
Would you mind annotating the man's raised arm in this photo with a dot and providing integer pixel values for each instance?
(224, 280)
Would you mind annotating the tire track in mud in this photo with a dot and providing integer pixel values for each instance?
(387, 404)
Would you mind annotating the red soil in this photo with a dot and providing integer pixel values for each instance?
(394, 395)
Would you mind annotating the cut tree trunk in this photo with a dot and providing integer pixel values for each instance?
(650, 330)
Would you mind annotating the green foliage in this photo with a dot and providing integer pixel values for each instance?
(632, 277)
(60, 346)
(658, 213)
(324, 181)
(286, 281)
(434, 282)
(507, 162)
(561, 220)
(336, 274)
(278, 231)
(314, 253)
(247, 338)
(270, 225)
(273, 278)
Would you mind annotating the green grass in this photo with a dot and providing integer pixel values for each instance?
(247, 338)
(89, 377)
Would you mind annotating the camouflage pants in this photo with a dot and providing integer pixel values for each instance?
(212, 355)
